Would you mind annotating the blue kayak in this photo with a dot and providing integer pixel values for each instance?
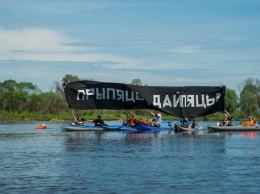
(119, 128)
(142, 127)
(138, 127)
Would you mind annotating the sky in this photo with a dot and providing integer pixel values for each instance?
(162, 43)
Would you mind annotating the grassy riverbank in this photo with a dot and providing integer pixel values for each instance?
(25, 116)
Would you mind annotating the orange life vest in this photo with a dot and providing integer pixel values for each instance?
(133, 122)
(251, 122)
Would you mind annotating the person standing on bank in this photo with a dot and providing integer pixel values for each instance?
(99, 121)
(157, 119)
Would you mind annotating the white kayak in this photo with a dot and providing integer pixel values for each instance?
(233, 128)
(179, 128)
(74, 127)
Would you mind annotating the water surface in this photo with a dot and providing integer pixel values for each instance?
(52, 161)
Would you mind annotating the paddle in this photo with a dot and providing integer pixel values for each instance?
(73, 114)
(198, 127)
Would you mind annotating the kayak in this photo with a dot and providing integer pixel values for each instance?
(119, 128)
(74, 127)
(138, 127)
(179, 128)
(142, 127)
(233, 128)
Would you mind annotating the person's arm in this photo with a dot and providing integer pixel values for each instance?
(227, 113)
(78, 122)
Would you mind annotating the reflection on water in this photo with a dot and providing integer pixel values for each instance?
(51, 161)
(245, 134)
(250, 134)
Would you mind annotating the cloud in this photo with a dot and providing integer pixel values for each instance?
(33, 40)
(48, 45)
(188, 49)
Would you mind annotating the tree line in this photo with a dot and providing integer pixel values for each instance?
(27, 97)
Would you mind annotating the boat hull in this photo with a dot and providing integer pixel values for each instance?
(119, 128)
(138, 127)
(67, 128)
(142, 127)
(179, 128)
(233, 128)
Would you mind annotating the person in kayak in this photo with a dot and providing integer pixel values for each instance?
(157, 119)
(251, 121)
(227, 121)
(99, 121)
(188, 122)
(132, 121)
(78, 120)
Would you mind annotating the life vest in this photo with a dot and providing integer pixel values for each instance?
(132, 122)
(251, 122)
(142, 121)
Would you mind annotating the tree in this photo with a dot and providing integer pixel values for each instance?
(136, 82)
(138, 111)
(27, 87)
(70, 78)
(53, 103)
(58, 87)
(248, 102)
(249, 96)
(35, 103)
(231, 100)
(14, 96)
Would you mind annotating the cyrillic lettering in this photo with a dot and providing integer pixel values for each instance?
(156, 101)
(120, 95)
(182, 100)
(190, 101)
(82, 96)
(202, 104)
(167, 101)
(210, 101)
(112, 92)
(128, 97)
(176, 101)
(99, 95)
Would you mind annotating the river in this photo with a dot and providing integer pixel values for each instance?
(52, 161)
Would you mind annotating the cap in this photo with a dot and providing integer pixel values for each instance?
(99, 116)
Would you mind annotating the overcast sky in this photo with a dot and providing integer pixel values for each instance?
(167, 43)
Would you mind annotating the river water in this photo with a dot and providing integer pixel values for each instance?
(52, 161)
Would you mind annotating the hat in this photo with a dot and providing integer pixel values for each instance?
(99, 116)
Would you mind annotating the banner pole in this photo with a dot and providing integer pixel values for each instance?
(73, 114)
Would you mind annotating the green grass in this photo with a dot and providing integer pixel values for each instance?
(106, 115)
